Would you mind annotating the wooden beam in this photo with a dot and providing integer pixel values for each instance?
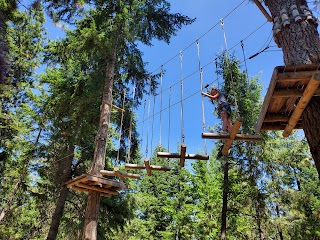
(147, 164)
(134, 166)
(120, 174)
(292, 93)
(275, 127)
(117, 108)
(267, 99)
(160, 168)
(97, 189)
(233, 133)
(183, 154)
(113, 183)
(239, 137)
(276, 118)
(296, 76)
(263, 10)
(305, 99)
(177, 155)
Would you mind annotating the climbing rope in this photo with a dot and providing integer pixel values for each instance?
(121, 123)
(245, 61)
(229, 61)
(144, 112)
(202, 97)
(182, 113)
(161, 76)
(153, 107)
(169, 123)
(130, 127)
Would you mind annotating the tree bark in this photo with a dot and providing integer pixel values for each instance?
(58, 212)
(225, 198)
(93, 203)
(301, 45)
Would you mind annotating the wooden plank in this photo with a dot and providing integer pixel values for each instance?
(239, 137)
(276, 118)
(121, 174)
(263, 10)
(305, 99)
(267, 99)
(168, 155)
(74, 187)
(97, 189)
(134, 166)
(197, 157)
(275, 127)
(183, 154)
(86, 191)
(147, 164)
(160, 168)
(108, 173)
(105, 181)
(177, 155)
(291, 92)
(296, 76)
(75, 180)
(233, 133)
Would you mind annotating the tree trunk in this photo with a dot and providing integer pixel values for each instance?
(93, 204)
(301, 45)
(58, 212)
(6, 208)
(225, 198)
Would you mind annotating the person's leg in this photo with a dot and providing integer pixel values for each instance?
(229, 124)
(224, 118)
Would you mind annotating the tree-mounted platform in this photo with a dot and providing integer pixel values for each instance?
(87, 182)
(119, 174)
(147, 166)
(289, 92)
(182, 155)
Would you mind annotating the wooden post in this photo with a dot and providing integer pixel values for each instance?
(183, 154)
(147, 164)
(305, 99)
(263, 10)
(233, 133)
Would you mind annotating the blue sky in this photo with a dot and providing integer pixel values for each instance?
(238, 26)
(242, 21)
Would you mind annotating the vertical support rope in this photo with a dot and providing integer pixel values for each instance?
(161, 76)
(229, 60)
(169, 123)
(245, 62)
(121, 123)
(130, 127)
(181, 84)
(148, 122)
(144, 113)
(202, 97)
(153, 107)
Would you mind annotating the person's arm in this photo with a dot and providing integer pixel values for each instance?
(210, 96)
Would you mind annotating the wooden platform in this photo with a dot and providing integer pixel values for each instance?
(119, 174)
(147, 166)
(182, 155)
(86, 182)
(289, 92)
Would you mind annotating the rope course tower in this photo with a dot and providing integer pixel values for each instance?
(183, 148)
(232, 136)
(289, 92)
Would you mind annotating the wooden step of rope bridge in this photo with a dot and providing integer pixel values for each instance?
(147, 166)
(87, 182)
(182, 155)
(119, 174)
(290, 90)
(229, 138)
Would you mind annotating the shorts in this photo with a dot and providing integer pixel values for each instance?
(225, 108)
